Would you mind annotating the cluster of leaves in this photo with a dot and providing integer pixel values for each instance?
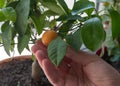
(26, 19)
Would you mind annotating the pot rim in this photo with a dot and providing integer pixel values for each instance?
(21, 57)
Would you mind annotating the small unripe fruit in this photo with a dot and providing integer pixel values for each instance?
(48, 36)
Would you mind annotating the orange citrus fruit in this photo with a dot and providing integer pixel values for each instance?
(48, 36)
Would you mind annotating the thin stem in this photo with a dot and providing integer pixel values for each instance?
(97, 5)
(58, 27)
(114, 2)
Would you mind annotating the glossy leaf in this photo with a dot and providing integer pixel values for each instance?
(13, 4)
(63, 5)
(2, 16)
(12, 45)
(39, 22)
(115, 22)
(115, 54)
(23, 42)
(115, 58)
(82, 6)
(93, 33)
(22, 9)
(74, 40)
(27, 47)
(65, 28)
(70, 17)
(13, 33)
(53, 6)
(6, 38)
(2, 3)
(57, 51)
(7, 13)
(50, 13)
(4, 26)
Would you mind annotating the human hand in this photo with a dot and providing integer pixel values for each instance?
(76, 69)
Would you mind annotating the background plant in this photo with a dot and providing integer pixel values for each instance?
(25, 20)
(111, 19)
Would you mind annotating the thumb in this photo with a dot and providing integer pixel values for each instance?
(81, 57)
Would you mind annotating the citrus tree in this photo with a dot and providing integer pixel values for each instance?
(25, 20)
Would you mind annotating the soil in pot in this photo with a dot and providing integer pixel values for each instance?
(18, 73)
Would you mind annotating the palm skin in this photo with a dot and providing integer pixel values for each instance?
(77, 69)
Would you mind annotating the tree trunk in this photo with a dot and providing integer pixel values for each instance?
(36, 70)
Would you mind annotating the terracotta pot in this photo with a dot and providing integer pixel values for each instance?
(20, 58)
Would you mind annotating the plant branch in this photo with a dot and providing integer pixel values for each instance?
(114, 2)
(58, 27)
(97, 5)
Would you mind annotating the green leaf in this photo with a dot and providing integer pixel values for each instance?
(70, 17)
(63, 5)
(82, 6)
(74, 40)
(4, 26)
(115, 21)
(23, 42)
(22, 10)
(2, 3)
(13, 33)
(57, 51)
(93, 33)
(2, 16)
(52, 24)
(39, 22)
(7, 13)
(12, 46)
(65, 28)
(50, 13)
(13, 4)
(53, 6)
(6, 38)
(27, 47)
(115, 58)
(115, 53)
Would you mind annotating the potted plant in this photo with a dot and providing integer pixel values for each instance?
(25, 20)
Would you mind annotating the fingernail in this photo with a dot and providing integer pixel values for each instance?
(34, 48)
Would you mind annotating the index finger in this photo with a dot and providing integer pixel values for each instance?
(38, 46)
